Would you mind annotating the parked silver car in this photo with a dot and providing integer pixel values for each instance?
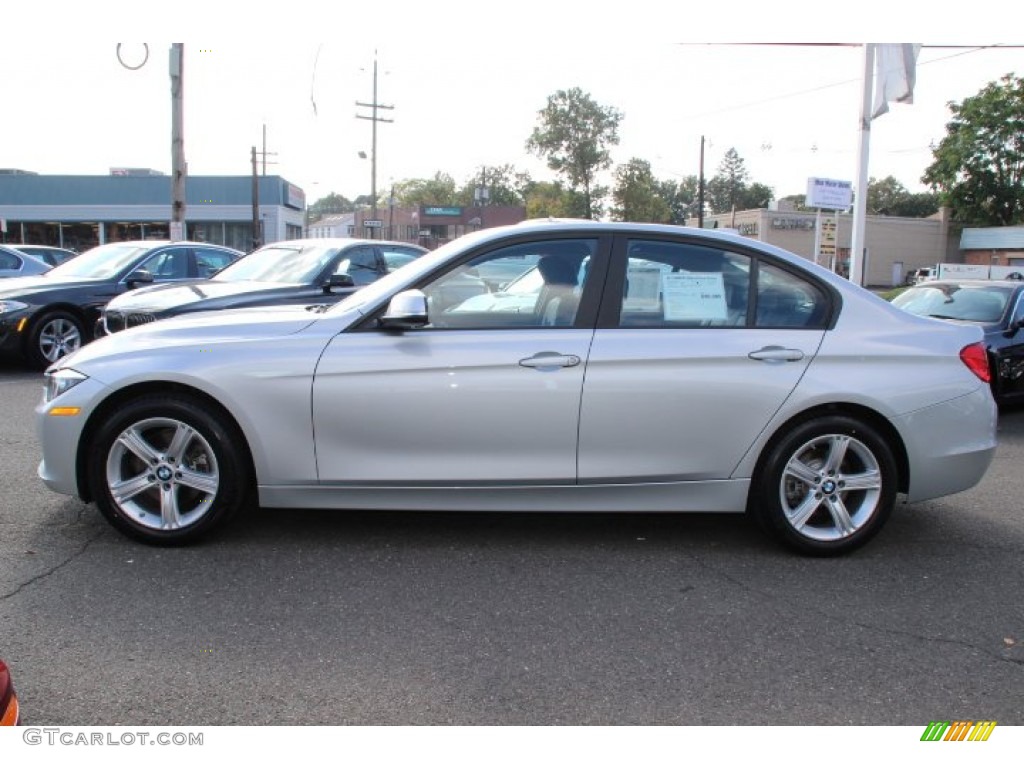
(14, 263)
(654, 368)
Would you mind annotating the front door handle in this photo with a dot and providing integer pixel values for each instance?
(775, 354)
(550, 360)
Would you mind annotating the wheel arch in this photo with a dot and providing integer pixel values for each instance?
(871, 417)
(116, 399)
(72, 309)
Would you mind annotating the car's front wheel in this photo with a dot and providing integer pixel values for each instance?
(827, 486)
(53, 336)
(168, 469)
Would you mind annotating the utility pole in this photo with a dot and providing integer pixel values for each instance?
(178, 166)
(264, 153)
(374, 106)
(257, 239)
(700, 188)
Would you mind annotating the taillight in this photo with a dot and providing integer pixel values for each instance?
(976, 358)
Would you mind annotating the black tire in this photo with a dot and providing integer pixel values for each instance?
(803, 493)
(53, 336)
(154, 496)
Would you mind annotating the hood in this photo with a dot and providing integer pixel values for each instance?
(21, 287)
(154, 298)
(202, 330)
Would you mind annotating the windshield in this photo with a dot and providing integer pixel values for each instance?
(101, 262)
(953, 301)
(280, 264)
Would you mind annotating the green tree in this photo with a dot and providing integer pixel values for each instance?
(332, 203)
(799, 202)
(439, 190)
(888, 197)
(680, 197)
(636, 195)
(574, 137)
(755, 196)
(505, 185)
(918, 205)
(730, 190)
(546, 198)
(884, 195)
(725, 189)
(978, 168)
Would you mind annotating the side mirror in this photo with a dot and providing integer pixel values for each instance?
(339, 281)
(406, 310)
(139, 277)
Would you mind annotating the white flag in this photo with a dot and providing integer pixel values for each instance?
(895, 73)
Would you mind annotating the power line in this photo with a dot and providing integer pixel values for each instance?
(795, 94)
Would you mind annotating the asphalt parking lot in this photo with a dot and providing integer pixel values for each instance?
(294, 617)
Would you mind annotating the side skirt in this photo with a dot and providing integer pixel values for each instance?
(693, 496)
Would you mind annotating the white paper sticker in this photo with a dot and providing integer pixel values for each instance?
(694, 296)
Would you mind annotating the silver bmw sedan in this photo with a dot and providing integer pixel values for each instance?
(611, 367)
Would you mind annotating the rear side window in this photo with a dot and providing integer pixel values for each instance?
(785, 300)
(209, 261)
(683, 285)
(680, 285)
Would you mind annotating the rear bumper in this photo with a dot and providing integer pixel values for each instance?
(950, 444)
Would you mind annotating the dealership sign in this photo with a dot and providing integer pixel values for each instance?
(829, 193)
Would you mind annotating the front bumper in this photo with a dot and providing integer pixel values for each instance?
(13, 328)
(59, 436)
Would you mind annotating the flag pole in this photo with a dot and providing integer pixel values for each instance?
(860, 201)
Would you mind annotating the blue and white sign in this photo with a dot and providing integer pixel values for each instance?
(829, 193)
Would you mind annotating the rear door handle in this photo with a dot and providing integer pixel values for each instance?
(775, 354)
(550, 360)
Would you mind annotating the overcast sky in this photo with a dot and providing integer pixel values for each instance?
(467, 80)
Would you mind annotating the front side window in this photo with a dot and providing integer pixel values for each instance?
(171, 264)
(360, 264)
(546, 283)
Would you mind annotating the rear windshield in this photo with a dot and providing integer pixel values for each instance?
(952, 301)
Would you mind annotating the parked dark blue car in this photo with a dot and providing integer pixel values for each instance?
(53, 314)
(995, 305)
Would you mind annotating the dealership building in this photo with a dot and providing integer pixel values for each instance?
(79, 212)
(894, 245)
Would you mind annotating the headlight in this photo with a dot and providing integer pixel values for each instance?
(60, 381)
(8, 306)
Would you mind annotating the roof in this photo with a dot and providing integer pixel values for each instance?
(332, 219)
(18, 189)
(992, 238)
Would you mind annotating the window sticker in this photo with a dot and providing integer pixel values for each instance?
(644, 288)
(694, 296)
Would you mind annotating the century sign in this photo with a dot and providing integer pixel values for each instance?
(829, 193)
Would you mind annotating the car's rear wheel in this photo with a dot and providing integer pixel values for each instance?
(827, 486)
(53, 336)
(168, 469)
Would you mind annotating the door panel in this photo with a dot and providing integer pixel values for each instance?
(450, 406)
(670, 404)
